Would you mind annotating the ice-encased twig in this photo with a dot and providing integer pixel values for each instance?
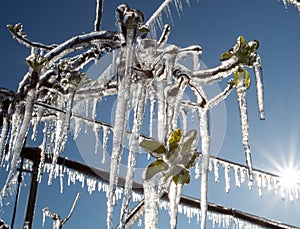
(211, 75)
(20, 36)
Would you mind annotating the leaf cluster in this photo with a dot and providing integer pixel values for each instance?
(173, 160)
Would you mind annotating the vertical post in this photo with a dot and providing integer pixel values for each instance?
(32, 194)
(18, 193)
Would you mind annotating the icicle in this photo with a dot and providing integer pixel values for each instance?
(151, 207)
(184, 117)
(96, 129)
(106, 131)
(259, 87)
(3, 139)
(161, 130)
(61, 178)
(87, 109)
(241, 81)
(20, 139)
(157, 13)
(77, 127)
(44, 218)
(227, 177)
(216, 170)
(174, 199)
(169, 14)
(70, 99)
(236, 176)
(94, 111)
(139, 108)
(61, 132)
(16, 122)
(34, 124)
(259, 184)
(152, 107)
(120, 123)
(205, 145)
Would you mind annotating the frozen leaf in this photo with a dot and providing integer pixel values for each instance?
(192, 161)
(174, 140)
(154, 168)
(187, 141)
(155, 148)
(182, 178)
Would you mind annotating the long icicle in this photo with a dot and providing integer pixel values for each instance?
(121, 118)
(21, 136)
(134, 147)
(205, 145)
(242, 84)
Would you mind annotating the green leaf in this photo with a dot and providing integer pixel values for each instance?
(155, 148)
(174, 140)
(154, 168)
(187, 141)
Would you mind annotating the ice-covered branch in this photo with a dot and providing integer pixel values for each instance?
(99, 12)
(57, 221)
(20, 36)
(72, 209)
(295, 3)
(103, 40)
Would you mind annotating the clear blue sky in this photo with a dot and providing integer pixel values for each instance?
(214, 25)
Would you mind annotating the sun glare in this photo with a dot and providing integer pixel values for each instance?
(290, 182)
(290, 177)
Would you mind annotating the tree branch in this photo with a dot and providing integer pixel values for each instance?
(104, 40)
(17, 33)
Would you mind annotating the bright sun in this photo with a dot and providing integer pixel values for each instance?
(290, 181)
(289, 177)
